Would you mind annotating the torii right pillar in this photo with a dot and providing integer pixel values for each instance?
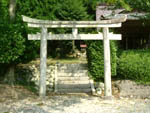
(107, 64)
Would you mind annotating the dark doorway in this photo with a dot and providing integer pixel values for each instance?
(135, 34)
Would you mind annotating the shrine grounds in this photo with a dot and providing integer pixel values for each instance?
(19, 100)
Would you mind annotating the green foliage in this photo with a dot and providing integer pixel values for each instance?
(91, 8)
(11, 42)
(25, 50)
(135, 65)
(54, 10)
(3, 10)
(116, 3)
(119, 3)
(37, 9)
(71, 10)
(95, 57)
(14, 46)
(75, 11)
(141, 5)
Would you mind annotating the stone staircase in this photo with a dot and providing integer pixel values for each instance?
(72, 78)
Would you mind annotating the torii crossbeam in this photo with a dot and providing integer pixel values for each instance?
(44, 36)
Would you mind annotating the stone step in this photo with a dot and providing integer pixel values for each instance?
(73, 78)
(72, 74)
(72, 67)
(72, 82)
(73, 71)
(70, 78)
(74, 90)
(73, 86)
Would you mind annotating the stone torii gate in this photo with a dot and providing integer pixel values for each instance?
(44, 36)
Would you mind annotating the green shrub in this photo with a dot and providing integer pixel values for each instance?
(11, 42)
(135, 65)
(95, 57)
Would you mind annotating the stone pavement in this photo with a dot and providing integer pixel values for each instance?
(75, 104)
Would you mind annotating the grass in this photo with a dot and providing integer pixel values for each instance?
(62, 60)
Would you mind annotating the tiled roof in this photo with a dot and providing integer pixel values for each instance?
(108, 12)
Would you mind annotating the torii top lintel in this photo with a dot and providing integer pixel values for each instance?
(116, 22)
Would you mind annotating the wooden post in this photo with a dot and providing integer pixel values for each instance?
(56, 74)
(74, 32)
(43, 57)
(107, 65)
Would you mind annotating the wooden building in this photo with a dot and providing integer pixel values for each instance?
(135, 31)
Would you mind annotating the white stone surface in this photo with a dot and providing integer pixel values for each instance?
(76, 104)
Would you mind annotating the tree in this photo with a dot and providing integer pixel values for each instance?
(75, 11)
(11, 47)
(54, 10)
(14, 46)
(9, 39)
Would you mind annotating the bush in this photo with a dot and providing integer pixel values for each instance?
(95, 57)
(11, 42)
(135, 65)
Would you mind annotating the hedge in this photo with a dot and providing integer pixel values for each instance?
(135, 65)
(95, 57)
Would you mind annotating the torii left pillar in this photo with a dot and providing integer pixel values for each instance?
(43, 66)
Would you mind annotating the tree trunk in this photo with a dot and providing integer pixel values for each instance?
(12, 8)
(9, 76)
(73, 46)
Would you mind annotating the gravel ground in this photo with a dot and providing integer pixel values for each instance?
(75, 104)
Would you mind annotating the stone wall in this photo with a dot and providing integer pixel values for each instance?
(129, 88)
(31, 73)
